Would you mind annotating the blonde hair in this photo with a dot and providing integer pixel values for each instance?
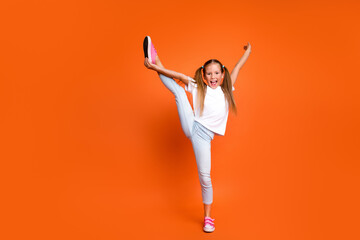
(226, 86)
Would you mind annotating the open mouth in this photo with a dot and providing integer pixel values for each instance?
(213, 83)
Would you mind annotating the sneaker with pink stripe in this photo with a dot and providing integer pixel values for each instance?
(209, 225)
(149, 49)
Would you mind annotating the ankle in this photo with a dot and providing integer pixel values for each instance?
(157, 61)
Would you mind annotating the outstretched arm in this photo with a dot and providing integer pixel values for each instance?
(240, 63)
(166, 72)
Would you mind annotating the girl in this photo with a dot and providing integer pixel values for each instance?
(212, 94)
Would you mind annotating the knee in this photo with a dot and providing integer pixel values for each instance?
(205, 179)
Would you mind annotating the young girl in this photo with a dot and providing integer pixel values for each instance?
(212, 94)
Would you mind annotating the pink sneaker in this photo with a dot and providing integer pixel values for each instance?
(209, 225)
(149, 49)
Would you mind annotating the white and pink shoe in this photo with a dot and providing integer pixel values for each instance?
(209, 225)
(149, 49)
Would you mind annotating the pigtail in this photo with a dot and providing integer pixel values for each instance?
(226, 86)
(201, 89)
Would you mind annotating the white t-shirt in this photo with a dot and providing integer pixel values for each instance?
(216, 109)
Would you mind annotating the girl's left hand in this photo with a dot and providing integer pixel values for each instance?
(248, 47)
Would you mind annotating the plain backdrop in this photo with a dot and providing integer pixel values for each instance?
(91, 144)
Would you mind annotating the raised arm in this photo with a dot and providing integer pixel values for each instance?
(166, 72)
(240, 63)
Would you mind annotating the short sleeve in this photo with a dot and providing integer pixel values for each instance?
(191, 85)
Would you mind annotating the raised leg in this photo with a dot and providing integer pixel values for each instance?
(185, 111)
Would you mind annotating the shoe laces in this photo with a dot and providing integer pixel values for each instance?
(209, 221)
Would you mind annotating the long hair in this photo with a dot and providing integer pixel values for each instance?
(226, 86)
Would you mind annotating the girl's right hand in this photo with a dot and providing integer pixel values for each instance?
(148, 64)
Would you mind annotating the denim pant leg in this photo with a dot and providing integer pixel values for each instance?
(201, 141)
(185, 111)
(199, 135)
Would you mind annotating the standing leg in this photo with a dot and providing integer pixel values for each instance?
(201, 141)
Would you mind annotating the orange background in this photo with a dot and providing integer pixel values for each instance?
(92, 147)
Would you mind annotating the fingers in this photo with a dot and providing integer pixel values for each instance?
(247, 47)
(146, 62)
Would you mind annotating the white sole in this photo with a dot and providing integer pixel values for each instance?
(208, 230)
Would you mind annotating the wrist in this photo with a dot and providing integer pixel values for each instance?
(154, 67)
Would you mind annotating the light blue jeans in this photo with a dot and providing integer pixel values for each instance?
(199, 136)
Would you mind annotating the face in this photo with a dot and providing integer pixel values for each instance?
(213, 75)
